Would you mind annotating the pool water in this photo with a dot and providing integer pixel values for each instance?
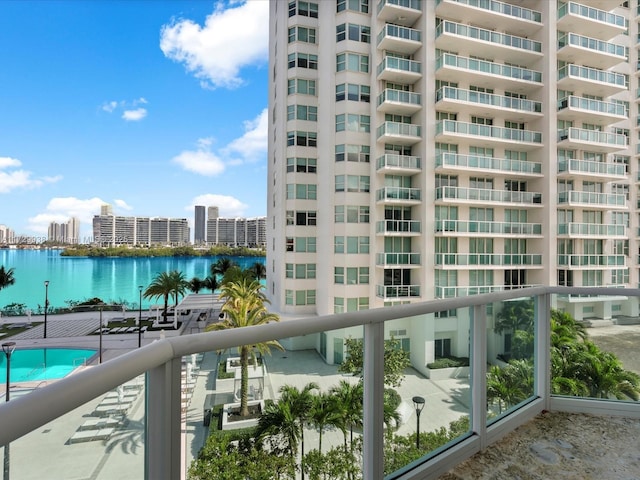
(35, 364)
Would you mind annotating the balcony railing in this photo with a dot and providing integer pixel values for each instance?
(398, 291)
(487, 259)
(483, 66)
(447, 159)
(593, 74)
(593, 136)
(488, 227)
(488, 195)
(589, 43)
(592, 230)
(402, 132)
(593, 198)
(410, 67)
(575, 260)
(489, 131)
(451, 292)
(399, 226)
(403, 12)
(410, 4)
(399, 193)
(591, 13)
(403, 259)
(481, 98)
(409, 101)
(502, 8)
(595, 106)
(497, 38)
(398, 162)
(164, 438)
(592, 168)
(399, 39)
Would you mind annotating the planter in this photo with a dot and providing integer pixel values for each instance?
(445, 373)
(231, 423)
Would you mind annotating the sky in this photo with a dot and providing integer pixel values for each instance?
(152, 106)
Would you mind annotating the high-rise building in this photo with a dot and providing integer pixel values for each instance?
(199, 225)
(237, 232)
(112, 230)
(7, 235)
(213, 212)
(430, 149)
(68, 232)
(106, 209)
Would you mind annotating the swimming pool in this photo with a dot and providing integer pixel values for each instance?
(34, 364)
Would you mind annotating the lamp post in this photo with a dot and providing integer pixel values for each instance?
(140, 318)
(418, 403)
(7, 348)
(46, 305)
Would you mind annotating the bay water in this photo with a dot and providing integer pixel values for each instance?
(112, 279)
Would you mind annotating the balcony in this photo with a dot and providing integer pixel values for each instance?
(605, 201)
(391, 163)
(574, 17)
(591, 80)
(578, 168)
(464, 260)
(396, 38)
(473, 195)
(451, 292)
(592, 140)
(577, 109)
(476, 41)
(466, 102)
(162, 453)
(390, 292)
(592, 262)
(491, 14)
(591, 230)
(394, 228)
(482, 73)
(399, 70)
(400, 12)
(451, 131)
(516, 168)
(399, 133)
(398, 260)
(399, 196)
(574, 48)
(477, 228)
(399, 102)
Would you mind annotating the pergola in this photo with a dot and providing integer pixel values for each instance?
(203, 302)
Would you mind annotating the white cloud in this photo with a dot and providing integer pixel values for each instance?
(228, 206)
(200, 161)
(20, 179)
(230, 39)
(110, 106)
(252, 146)
(134, 115)
(121, 204)
(61, 209)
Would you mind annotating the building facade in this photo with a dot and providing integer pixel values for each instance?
(431, 149)
(112, 230)
(237, 232)
(68, 232)
(199, 225)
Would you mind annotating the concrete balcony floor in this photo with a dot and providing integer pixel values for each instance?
(562, 446)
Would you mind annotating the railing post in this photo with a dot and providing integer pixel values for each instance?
(373, 407)
(542, 364)
(479, 373)
(163, 422)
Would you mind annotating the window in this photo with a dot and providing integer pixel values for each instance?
(361, 6)
(301, 86)
(354, 244)
(352, 62)
(301, 217)
(304, 9)
(443, 348)
(353, 123)
(302, 139)
(354, 275)
(305, 270)
(305, 244)
(353, 153)
(301, 191)
(300, 297)
(352, 183)
(302, 34)
(301, 165)
(353, 92)
(357, 33)
(303, 60)
(302, 112)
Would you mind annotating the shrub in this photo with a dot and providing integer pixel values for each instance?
(449, 362)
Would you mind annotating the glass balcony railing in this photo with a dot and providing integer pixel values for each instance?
(498, 133)
(406, 162)
(402, 64)
(488, 227)
(589, 43)
(399, 96)
(595, 106)
(398, 259)
(593, 198)
(458, 94)
(482, 34)
(399, 32)
(502, 8)
(398, 193)
(397, 291)
(488, 195)
(591, 13)
(593, 74)
(491, 259)
(593, 136)
(576, 260)
(410, 4)
(595, 168)
(488, 163)
(398, 226)
(399, 129)
(483, 66)
(592, 229)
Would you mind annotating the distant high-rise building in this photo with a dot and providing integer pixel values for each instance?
(6, 235)
(237, 232)
(199, 225)
(212, 212)
(111, 230)
(106, 209)
(64, 232)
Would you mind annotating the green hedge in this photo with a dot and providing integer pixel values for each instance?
(449, 362)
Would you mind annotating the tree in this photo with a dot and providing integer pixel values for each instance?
(245, 307)
(396, 360)
(517, 319)
(279, 422)
(210, 283)
(167, 284)
(196, 284)
(259, 270)
(6, 277)
(179, 285)
(322, 415)
(221, 266)
(347, 404)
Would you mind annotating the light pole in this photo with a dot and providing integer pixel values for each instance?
(140, 318)
(100, 349)
(46, 305)
(7, 348)
(418, 403)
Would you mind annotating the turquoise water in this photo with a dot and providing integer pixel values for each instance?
(80, 278)
(37, 364)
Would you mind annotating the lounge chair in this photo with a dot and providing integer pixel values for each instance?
(91, 435)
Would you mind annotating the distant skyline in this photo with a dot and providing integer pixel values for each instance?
(152, 107)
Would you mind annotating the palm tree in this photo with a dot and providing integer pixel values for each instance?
(347, 398)
(180, 285)
(278, 421)
(322, 415)
(221, 266)
(196, 284)
(6, 277)
(210, 283)
(259, 270)
(245, 307)
(166, 284)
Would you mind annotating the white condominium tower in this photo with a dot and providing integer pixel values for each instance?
(439, 148)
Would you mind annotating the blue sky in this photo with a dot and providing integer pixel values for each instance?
(152, 106)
